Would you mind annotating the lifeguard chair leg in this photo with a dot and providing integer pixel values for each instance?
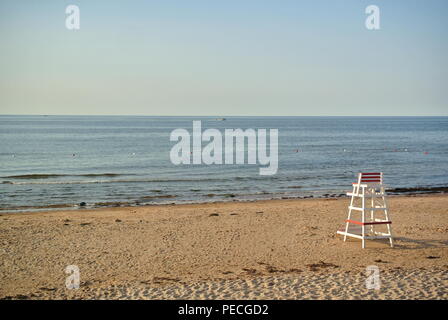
(349, 214)
(372, 205)
(363, 232)
(391, 239)
(389, 227)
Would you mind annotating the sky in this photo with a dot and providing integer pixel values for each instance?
(224, 58)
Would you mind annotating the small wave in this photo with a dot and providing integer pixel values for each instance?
(103, 175)
(113, 181)
(112, 175)
(162, 196)
(50, 206)
(35, 176)
(55, 175)
(55, 182)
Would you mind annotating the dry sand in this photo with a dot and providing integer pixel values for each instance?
(278, 249)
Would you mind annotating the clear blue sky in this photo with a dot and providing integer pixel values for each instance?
(224, 57)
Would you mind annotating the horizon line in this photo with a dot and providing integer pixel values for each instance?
(223, 116)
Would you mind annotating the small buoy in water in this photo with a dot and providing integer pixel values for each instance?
(133, 153)
(426, 152)
(73, 155)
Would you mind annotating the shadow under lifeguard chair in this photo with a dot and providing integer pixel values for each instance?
(412, 244)
(368, 202)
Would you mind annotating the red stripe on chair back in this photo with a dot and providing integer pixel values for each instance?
(369, 177)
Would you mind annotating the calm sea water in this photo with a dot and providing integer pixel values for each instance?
(65, 160)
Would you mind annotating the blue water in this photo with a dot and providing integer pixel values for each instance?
(106, 160)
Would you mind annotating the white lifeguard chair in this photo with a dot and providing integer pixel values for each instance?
(368, 195)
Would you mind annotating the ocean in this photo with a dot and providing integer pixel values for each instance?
(61, 161)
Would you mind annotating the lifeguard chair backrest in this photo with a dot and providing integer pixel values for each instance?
(370, 178)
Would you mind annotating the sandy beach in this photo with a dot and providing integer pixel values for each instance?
(277, 249)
